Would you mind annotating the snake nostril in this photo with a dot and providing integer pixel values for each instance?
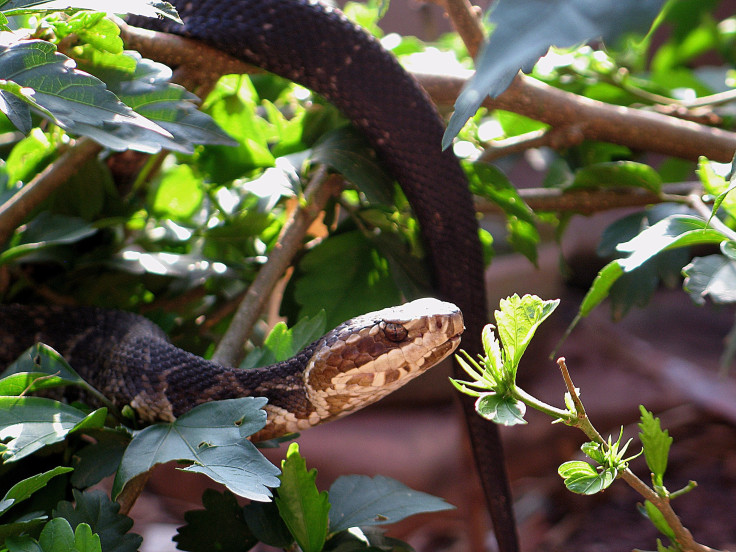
(395, 332)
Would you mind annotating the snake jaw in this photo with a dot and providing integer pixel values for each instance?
(371, 356)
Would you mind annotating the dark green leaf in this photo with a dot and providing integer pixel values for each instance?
(78, 102)
(99, 460)
(265, 523)
(346, 151)
(582, 478)
(46, 230)
(361, 284)
(22, 526)
(220, 526)
(23, 489)
(360, 500)
(302, 507)
(213, 437)
(31, 423)
(501, 410)
(96, 510)
(22, 544)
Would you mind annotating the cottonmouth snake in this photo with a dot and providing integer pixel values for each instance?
(316, 46)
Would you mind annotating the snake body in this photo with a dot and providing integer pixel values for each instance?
(129, 359)
(316, 46)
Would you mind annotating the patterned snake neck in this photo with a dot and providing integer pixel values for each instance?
(128, 359)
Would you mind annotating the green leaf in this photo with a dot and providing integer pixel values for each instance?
(95, 509)
(29, 156)
(492, 184)
(25, 488)
(717, 186)
(602, 283)
(283, 343)
(43, 360)
(77, 101)
(360, 500)
(671, 232)
(22, 544)
(657, 519)
(149, 8)
(57, 536)
(303, 508)
(178, 194)
(47, 230)
(85, 540)
(656, 442)
(582, 478)
(220, 526)
(517, 321)
(148, 91)
(618, 174)
(362, 284)
(212, 436)
(99, 459)
(31, 423)
(501, 410)
(712, 276)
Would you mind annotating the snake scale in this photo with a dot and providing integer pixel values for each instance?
(316, 46)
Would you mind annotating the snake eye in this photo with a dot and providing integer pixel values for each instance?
(395, 332)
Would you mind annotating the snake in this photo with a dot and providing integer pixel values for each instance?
(130, 361)
(315, 45)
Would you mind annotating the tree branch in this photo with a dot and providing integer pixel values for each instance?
(14, 211)
(588, 202)
(634, 128)
(320, 189)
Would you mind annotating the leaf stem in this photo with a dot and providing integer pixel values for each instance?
(531, 401)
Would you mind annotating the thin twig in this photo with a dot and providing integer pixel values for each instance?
(316, 194)
(14, 211)
(466, 21)
(683, 536)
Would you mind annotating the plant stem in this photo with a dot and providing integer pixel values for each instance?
(682, 535)
(520, 394)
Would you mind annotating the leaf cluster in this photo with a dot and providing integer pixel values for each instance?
(343, 518)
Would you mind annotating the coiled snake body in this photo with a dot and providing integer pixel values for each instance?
(316, 46)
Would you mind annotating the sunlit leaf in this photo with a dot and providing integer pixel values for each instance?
(302, 507)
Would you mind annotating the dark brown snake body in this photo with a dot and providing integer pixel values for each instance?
(316, 46)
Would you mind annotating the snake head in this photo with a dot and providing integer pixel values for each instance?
(370, 356)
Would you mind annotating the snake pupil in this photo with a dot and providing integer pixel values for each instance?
(395, 332)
